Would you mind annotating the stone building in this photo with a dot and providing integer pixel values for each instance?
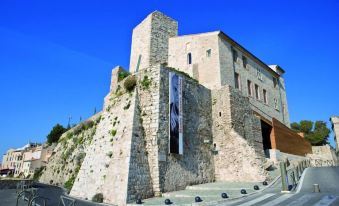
(231, 109)
(335, 128)
(25, 160)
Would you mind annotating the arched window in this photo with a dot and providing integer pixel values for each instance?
(189, 58)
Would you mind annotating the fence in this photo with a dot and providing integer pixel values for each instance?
(291, 177)
(324, 163)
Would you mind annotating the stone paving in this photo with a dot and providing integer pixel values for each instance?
(210, 193)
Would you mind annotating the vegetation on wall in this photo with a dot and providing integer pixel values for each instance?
(83, 126)
(69, 183)
(122, 75)
(55, 134)
(146, 82)
(99, 197)
(130, 83)
(316, 133)
(38, 173)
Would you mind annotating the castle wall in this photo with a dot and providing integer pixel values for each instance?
(150, 41)
(257, 75)
(237, 137)
(219, 69)
(195, 166)
(335, 128)
(105, 168)
(204, 68)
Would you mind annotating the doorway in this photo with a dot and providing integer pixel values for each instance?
(266, 137)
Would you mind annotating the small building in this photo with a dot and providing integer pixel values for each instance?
(25, 160)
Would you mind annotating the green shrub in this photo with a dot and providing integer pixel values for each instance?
(113, 132)
(110, 154)
(98, 119)
(127, 105)
(69, 183)
(38, 173)
(146, 82)
(122, 75)
(55, 133)
(130, 83)
(83, 126)
(99, 197)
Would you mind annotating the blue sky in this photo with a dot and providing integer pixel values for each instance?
(56, 56)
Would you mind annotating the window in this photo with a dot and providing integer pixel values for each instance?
(259, 75)
(237, 80)
(276, 104)
(275, 82)
(189, 58)
(208, 53)
(244, 61)
(265, 96)
(256, 88)
(249, 87)
(235, 55)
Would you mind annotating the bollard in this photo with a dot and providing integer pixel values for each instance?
(297, 177)
(293, 179)
(283, 176)
(316, 188)
(168, 202)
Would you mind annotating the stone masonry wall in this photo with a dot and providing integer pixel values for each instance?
(237, 137)
(150, 40)
(195, 166)
(64, 164)
(267, 110)
(106, 166)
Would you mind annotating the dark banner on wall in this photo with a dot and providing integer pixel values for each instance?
(175, 114)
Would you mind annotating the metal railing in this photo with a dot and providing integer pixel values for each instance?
(66, 201)
(26, 195)
(33, 200)
(291, 177)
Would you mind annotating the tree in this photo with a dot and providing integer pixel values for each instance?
(306, 126)
(316, 133)
(55, 133)
(295, 126)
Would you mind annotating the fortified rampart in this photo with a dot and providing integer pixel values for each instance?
(176, 127)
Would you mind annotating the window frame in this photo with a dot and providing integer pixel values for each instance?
(265, 98)
(276, 107)
(257, 91)
(208, 53)
(249, 88)
(235, 55)
(237, 81)
(189, 58)
(244, 62)
(259, 74)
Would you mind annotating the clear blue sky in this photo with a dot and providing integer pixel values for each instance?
(56, 56)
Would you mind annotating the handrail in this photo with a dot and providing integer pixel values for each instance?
(37, 197)
(71, 203)
(21, 194)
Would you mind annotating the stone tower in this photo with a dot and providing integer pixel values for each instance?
(150, 41)
(335, 128)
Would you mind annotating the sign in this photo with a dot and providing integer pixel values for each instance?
(175, 114)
